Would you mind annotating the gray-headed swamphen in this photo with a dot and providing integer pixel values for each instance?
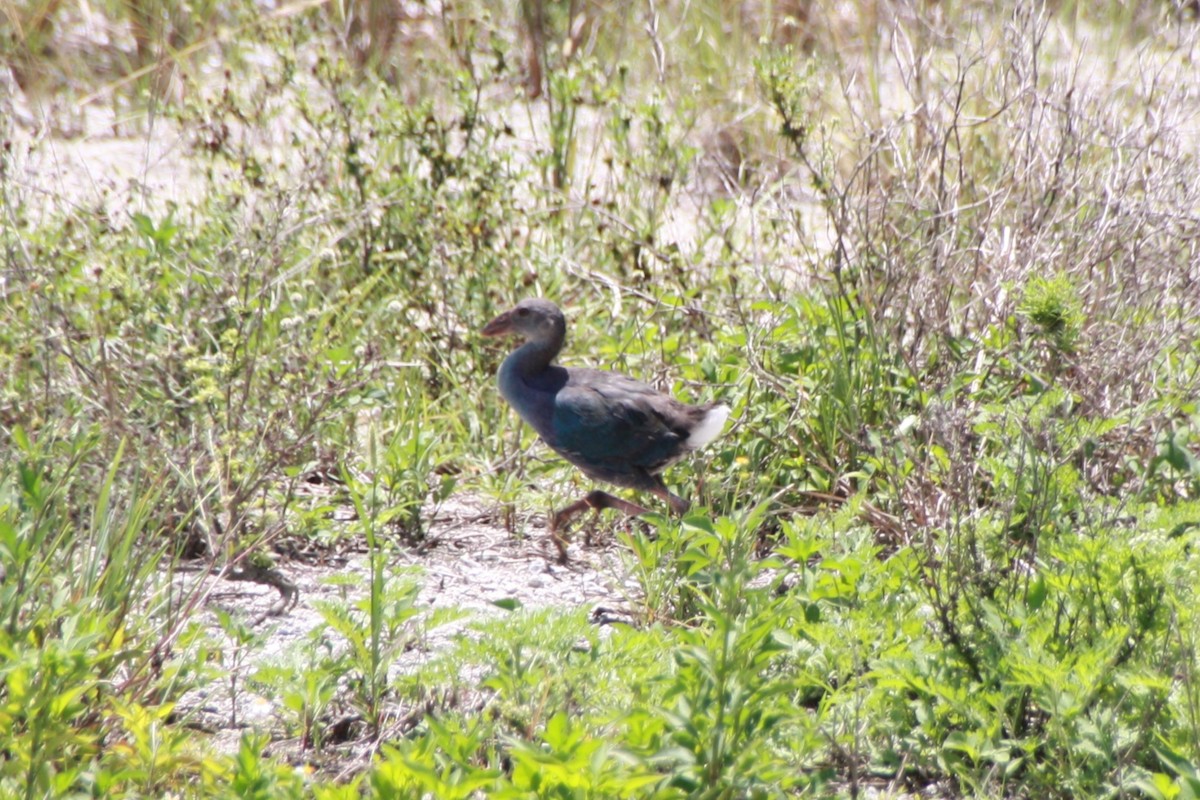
(612, 427)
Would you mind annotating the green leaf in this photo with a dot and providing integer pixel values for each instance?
(1036, 595)
(508, 603)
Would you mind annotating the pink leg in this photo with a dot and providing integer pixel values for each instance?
(678, 505)
(596, 500)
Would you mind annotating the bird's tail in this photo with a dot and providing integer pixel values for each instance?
(709, 428)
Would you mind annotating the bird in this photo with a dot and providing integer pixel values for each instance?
(615, 429)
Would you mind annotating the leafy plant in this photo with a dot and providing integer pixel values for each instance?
(1053, 305)
(942, 269)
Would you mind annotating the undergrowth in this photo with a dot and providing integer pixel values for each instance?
(939, 259)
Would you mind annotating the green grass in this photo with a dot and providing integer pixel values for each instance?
(939, 262)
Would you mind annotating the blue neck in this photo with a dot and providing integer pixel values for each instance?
(517, 384)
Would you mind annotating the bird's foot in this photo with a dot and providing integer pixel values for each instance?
(559, 541)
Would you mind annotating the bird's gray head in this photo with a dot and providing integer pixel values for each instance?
(532, 319)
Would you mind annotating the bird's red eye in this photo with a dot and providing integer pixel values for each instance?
(522, 312)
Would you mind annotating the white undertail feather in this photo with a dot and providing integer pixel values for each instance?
(709, 428)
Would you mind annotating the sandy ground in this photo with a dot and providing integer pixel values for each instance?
(468, 563)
